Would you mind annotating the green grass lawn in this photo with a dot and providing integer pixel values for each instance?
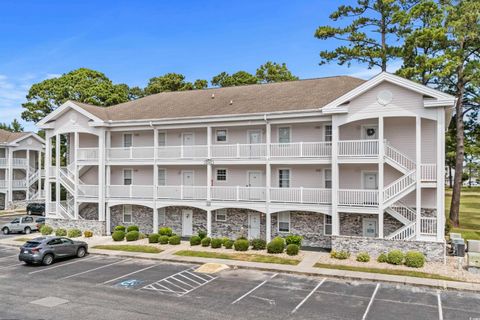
(129, 248)
(252, 257)
(469, 212)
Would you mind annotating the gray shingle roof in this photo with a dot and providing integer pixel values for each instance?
(7, 136)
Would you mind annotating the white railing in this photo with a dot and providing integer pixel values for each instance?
(239, 151)
(428, 226)
(3, 162)
(301, 149)
(88, 191)
(183, 152)
(3, 184)
(358, 198)
(398, 186)
(33, 177)
(131, 153)
(404, 211)
(19, 162)
(238, 193)
(130, 191)
(19, 183)
(429, 172)
(301, 195)
(358, 148)
(67, 181)
(65, 210)
(53, 207)
(398, 157)
(404, 233)
(86, 154)
(182, 192)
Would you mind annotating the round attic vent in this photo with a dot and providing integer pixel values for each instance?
(384, 97)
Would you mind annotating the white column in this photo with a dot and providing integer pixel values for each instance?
(209, 164)
(57, 171)
(48, 164)
(418, 160)
(155, 180)
(268, 183)
(101, 176)
(268, 222)
(209, 222)
(10, 176)
(381, 159)
(335, 177)
(440, 173)
(28, 175)
(39, 155)
(107, 221)
(76, 177)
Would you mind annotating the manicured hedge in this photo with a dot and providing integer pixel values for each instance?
(60, 232)
(293, 239)
(74, 233)
(118, 235)
(163, 239)
(153, 238)
(206, 242)
(132, 228)
(46, 230)
(414, 259)
(165, 231)
(216, 243)
(382, 258)
(258, 244)
(277, 245)
(195, 240)
(174, 240)
(120, 228)
(241, 245)
(88, 233)
(132, 235)
(395, 257)
(228, 244)
(292, 249)
(341, 255)
(363, 257)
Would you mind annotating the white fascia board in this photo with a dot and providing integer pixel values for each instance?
(61, 109)
(384, 76)
(429, 103)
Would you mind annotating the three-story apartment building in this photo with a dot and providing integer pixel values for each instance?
(20, 168)
(346, 163)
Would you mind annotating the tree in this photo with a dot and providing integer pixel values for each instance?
(82, 85)
(172, 82)
(239, 78)
(370, 38)
(15, 126)
(200, 84)
(274, 72)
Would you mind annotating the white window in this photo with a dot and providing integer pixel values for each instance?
(162, 139)
(127, 213)
(161, 216)
(328, 133)
(327, 225)
(221, 135)
(221, 215)
(328, 178)
(127, 177)
(284, 178)
(221, 175)
(162, 177)
(284, 135)
(284, 221)
(127, 140)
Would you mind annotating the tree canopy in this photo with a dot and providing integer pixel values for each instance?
(15, 126)
(172, 82)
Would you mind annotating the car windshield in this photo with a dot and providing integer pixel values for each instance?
(31, 244)
(16, 220)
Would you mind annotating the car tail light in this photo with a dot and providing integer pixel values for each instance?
(35, 250)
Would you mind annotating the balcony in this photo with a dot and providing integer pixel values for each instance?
(239, 151)
(358, 148)
(3, 184)
(87, 154)
(3, 162)
(88, 191)
(19, 183)
(357, 198)
(301, 195)
(301, 150)
(19, 162)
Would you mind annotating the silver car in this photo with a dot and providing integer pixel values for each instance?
(25, 224)
(45, 250)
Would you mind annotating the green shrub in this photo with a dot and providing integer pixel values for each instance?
(277, 245)
(202, 234)
(118, 235)
(153, 238)
(132, 235)
(60, 232)
(258, 244)
(293, 239)
(292, 249)
(216, 243)
(88, 233)
(241, 245)
(163, 239)
(206, 242)
(74, 233)
(395, 257)
(46, 230)
(132, 228)
(142, 235)
(414, 259)
(228, 244)
(165, 231)
(382, 258)
(341, 255)
(174, 240)
(120, 228)
(195, 240)
(363, 257)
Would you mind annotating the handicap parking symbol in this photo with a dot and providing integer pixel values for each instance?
(129, 283)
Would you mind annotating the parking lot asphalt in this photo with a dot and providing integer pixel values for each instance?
(100, 287)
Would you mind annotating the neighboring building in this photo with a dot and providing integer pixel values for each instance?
(20, 163)
(346, 163)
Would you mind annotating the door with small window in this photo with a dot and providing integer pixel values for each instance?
(127, 140)
(127, 177)
(255, 184)
(253, 225)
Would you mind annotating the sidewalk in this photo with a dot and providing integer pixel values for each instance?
(305, 267)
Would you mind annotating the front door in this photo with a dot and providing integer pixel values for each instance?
(187, 222)
(255, 183)
(370, 181)
(187, 139)
(254, 225)
(254, 136)
(369, 227)
(187, 182)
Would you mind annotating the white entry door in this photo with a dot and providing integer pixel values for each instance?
(187, 182)
(255, 183)
(253, 225)
(370, 181)
(254, 136)
(187, 139)
(369, 227)
(187, 222)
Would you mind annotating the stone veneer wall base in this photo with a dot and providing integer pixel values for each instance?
(97, 227)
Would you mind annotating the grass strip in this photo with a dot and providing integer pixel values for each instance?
(407, 273)
(251, 257)
(129, 248)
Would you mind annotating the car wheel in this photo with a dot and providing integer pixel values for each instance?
(5, 231)
(27, 230)
(81, 252)
(47, 260)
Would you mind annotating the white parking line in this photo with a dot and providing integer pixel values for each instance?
(61, 265)
(308, 296)
(12, 265)
(440, 310)
(129, 274)
(90, 270)
(258, 286)
(371, 301)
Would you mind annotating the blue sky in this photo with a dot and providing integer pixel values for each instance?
(132, 41)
